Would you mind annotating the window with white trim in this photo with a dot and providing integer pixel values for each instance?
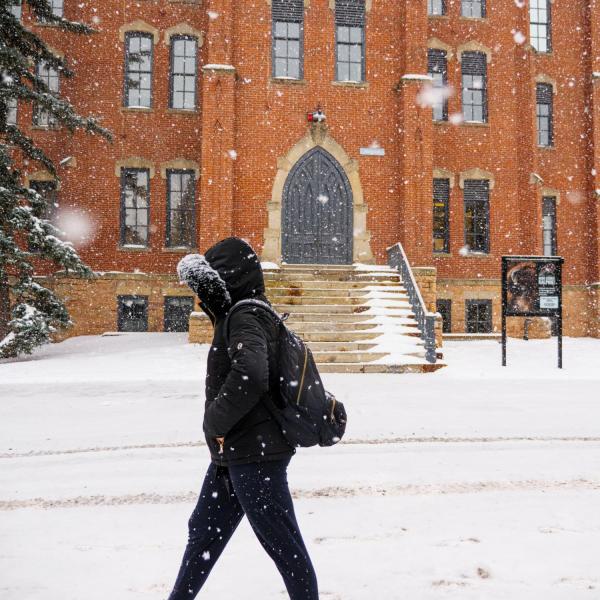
(135, 207)
(138, 69)
(437, 66)
(474, 87)
(549, 226)
(436, 8)
(288, 39)
(184, 72)
(477, 215)
(540, 25)
(350, 40)
(181, 200)
(49, 75)
(545, 114)
(441, 215)
(473, 8)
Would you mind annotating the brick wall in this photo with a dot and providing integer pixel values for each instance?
(241, 108)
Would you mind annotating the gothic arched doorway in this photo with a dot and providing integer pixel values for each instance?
(317, 212)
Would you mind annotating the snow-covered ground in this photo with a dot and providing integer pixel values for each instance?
(475, 482)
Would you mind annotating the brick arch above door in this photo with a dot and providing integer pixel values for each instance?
(317, 136)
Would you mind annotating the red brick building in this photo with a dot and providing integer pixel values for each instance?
(213, 140)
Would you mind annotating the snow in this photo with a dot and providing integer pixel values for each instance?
(417, 77)
(217, 67)
(271, 266)
(475, 482)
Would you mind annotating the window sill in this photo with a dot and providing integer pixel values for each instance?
(140, 109)
(179, 250)
(42, 128)
(287, 81)
(443, 17)
(476, 255)
(442, 254)
(474, 124)
(546, 147)
(482, 19)
(182, 111)
(360, 85)
(122, 248)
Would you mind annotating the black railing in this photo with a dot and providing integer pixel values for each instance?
(397, 260)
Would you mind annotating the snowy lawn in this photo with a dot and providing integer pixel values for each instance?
(475, 482)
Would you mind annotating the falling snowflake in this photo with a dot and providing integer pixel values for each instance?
(518, 36)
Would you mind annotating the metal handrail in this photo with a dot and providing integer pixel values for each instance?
(398, 260)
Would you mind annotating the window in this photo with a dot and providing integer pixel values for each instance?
(477, 215)
(181, 197)
(549, 226)
(436, 8)
(133, 313)
(11, 111)
(135, 207)
(48, 190)
(444, 307)
(540, 25)
(57, 8)
(138, 70)
(473, 8)
(438, 70)
(441, 199)
(478, 316)
(474, 84)
(177, 312)
(184, 69)
(350, 40)
(288, 38)
(545, 114)
(49, 75)
(16, 8)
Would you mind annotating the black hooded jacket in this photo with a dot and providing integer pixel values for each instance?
(239, 377)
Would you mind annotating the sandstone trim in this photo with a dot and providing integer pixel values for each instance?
(135, 162)
(476, 173)
(437, 44)
(439, 173)
(183, 29)
(317, 136)
(179, 164)
(473, 46)
(138, 25)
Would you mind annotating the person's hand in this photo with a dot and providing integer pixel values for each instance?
(221, 440)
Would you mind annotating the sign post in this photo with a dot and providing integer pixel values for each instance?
(532, 287)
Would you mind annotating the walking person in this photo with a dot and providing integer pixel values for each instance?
(249, 453)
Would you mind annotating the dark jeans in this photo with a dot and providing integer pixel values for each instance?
(259, 491)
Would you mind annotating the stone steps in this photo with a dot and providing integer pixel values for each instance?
(353, 319)
(335, 292)
(336, 301)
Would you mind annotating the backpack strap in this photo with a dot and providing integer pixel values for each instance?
(252, 302)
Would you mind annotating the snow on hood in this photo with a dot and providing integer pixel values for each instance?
(206, 283)
(228, 272)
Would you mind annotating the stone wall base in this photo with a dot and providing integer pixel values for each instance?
(94, 308)
(580, 314)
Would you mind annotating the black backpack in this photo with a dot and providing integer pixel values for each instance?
(307, 413)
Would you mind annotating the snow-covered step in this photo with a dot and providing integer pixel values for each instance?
(395, 302)
(361, 293)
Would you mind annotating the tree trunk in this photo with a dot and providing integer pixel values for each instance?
(4, 306)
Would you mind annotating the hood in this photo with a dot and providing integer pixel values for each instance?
(230, 271)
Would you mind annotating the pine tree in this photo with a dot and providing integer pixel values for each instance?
(25, 232)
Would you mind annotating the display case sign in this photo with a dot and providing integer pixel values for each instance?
(532, 287)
